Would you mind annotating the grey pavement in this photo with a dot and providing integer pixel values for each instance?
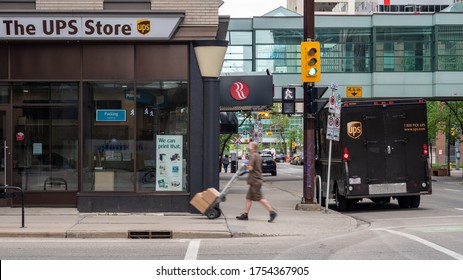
(283, 195)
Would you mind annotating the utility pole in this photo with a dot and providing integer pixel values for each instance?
(448, 148)
(309, 121)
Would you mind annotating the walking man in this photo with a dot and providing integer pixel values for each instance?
(255, 184)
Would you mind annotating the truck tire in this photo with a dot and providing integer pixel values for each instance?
(415, 201)
(404, 201)
(342, 203)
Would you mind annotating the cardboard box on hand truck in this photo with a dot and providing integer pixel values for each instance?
(203, 200)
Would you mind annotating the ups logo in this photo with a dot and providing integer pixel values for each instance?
(354, 129)
(143, 26)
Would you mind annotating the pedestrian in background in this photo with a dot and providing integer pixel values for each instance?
(225, 162)
(255, 184)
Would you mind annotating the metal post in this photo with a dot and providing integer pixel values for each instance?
(4, 163)
(448, 148)
(309, 123)
(328, 177)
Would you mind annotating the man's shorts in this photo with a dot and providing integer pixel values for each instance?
(254, 192)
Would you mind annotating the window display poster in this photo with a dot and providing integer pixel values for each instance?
(169, 163)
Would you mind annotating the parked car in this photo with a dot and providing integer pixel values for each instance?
(269, 165)
(297, 160)
(280, 158)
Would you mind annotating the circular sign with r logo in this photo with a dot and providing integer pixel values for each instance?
(239, 91)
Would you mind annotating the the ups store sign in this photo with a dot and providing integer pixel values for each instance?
(70, 27)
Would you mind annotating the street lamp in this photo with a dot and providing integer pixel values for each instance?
(210, 55)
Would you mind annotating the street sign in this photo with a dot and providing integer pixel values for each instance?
(354, 91)
(237, 140)
(334, 115)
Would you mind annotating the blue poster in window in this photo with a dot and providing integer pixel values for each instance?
(111, 116)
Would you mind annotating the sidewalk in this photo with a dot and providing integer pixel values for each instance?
(284, 196)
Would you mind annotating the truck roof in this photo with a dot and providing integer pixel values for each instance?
(382, 102)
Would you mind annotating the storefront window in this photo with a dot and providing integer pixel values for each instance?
(162, 122)
(109, 141)
(4, 93)
(135, 137)
(45, 149)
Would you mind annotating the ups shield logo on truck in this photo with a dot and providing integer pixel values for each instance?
(143, 26)
(354, 129)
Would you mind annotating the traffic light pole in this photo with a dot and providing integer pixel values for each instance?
(309, 121)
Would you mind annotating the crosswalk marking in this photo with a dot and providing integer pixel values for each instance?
(192, 251)
(434, 246)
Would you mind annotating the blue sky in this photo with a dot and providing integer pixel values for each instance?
(249, 8)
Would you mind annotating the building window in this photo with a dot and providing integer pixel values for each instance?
(136, 136)
(162, 126)
(4, 93)
(45, 116)
(109, 140)
(278, 50)
(345, 49)
(239, 52)
(449, 48)
(405, 49)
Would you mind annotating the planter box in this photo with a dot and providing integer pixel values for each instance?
(440, 171)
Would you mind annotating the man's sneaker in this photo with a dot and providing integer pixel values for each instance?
(243, 217)
(273, 215)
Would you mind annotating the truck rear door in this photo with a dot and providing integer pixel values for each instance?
(387, 157)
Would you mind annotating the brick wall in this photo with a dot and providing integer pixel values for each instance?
(197, 12)
(69, 5)
(201, 19)
(441, 149)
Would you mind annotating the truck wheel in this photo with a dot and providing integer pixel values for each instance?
(342, 204)
(415, 201)
(404, 201)
(352, 204)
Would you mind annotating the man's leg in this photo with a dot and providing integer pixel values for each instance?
(269, 208)
(247, 208)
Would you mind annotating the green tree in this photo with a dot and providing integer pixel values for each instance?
(440, 114)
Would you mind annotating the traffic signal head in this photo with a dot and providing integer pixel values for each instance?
(452, 131)
(264, 115)
(313, 103)
(310, 62)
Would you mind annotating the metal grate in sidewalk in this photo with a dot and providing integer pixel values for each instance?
(150, 234)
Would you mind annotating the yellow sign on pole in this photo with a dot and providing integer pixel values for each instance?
(354, 91)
